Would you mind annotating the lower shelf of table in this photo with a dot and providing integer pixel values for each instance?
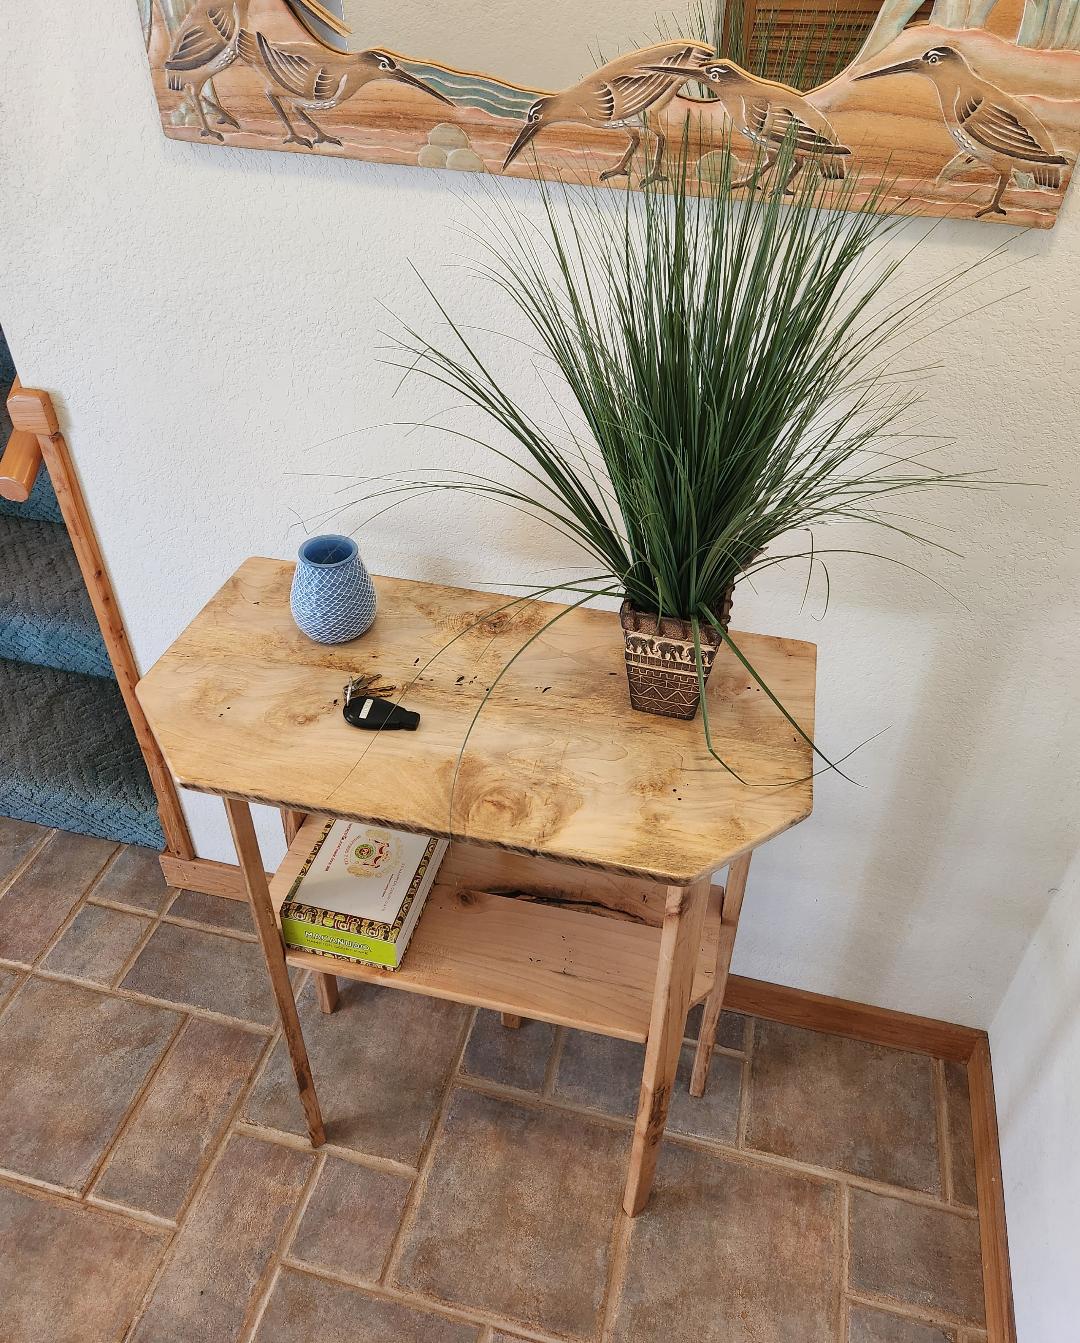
(517, 955)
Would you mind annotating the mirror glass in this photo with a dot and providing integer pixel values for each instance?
(541, 46)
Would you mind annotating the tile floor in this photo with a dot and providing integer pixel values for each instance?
(155, 1185)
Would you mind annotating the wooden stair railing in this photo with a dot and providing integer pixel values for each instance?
(33, 417)
(20, 460)
(19, 466)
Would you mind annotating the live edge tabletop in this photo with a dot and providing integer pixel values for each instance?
(578, 888)
(245, 705)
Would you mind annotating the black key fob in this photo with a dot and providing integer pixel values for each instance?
(368, 712)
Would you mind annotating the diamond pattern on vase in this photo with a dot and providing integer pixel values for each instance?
(333, 597)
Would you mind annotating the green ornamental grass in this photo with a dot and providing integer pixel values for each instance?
(728, 356)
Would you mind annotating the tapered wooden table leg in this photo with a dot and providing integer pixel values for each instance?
(510, 1021)
(251, 865)
(680, 944)
(734, 891)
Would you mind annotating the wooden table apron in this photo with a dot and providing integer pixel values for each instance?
(578, 888)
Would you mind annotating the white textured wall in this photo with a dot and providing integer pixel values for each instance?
(1035, 1039)
(209, 319)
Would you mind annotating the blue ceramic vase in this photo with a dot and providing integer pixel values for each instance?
(333, 597)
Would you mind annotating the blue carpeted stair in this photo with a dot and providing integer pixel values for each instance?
(68, 754)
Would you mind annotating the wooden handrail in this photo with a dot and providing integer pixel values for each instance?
(32, 410)
(19, 466)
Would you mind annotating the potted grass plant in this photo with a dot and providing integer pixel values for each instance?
(727, 354)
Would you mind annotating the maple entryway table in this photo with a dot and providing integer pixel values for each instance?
(578, 887)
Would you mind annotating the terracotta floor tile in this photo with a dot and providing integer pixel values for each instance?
(71, 1062)
(218, 1261)
(380, 1062)
(877, 1326)
(97, 944)
(844, 1104)
(303, 1309)
(8, 980)
(732, 1252)
(351, 1219)
(17, 838)
(517, 1213)
(213, 911)
(201, 969)
(514, 1058)
(166, 1144)
(730, 1030)
(70, 1274)
(136, 880)
(41, 898)
(958, 1116)
(604, 1074)
(599, 1072)
(921, 1256)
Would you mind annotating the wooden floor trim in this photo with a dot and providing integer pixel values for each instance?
(32, 410)
(876, 1025)
(997, 1278)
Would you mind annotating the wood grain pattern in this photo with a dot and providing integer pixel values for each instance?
(860, 1021)
(558, 765)
(893, 129)
(326, 992)
(32, 410)
(536, 961)
(997, 1279)
(247, 851)
(680, 940)
(731, 907)
(19, 465)
(206, 875)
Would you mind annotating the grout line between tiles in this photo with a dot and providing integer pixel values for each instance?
(28, 860)
(134, 1105)
(620, 1252)
(303, 1144)
(551, 1070)
(140, 947)
(196, 926)
(845, 1260)
(69, 1198)
(106, 866)
(423, 1166)
(716, 1147)
(198, 1186)
(474, 1315)
(21, 976)
(72, 915)
(264, 1288)
(941, 1097)
(911, 1311)
(132, 995)
(228, 1125)
(745, 1097)
(93, 1200)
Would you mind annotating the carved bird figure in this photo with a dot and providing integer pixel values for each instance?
(770, 115)
(312, 79)
(206, 43)
(626, 94)
(989, 125)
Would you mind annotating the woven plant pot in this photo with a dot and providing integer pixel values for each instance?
(661, 665)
